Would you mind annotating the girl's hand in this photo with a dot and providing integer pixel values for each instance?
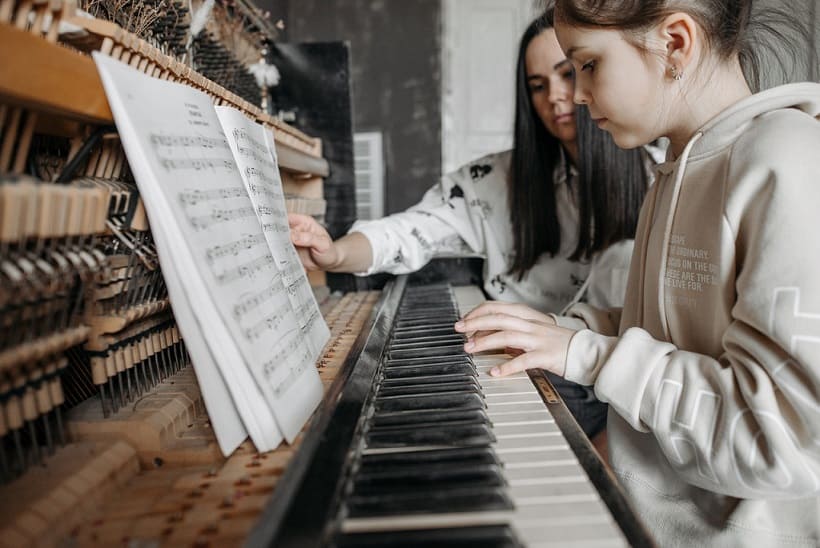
(313, 243)
(512, 309)
(541, 343)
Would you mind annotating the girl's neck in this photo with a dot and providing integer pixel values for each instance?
(706, 98)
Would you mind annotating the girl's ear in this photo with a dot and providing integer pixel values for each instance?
(678, 32)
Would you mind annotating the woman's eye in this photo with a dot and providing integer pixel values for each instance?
(568, 74)
(589, 65)
(536, 87)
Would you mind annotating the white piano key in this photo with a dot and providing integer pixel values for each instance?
(501, 429)
(495, 408)
(538, 470)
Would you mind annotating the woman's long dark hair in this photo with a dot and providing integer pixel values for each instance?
(611, 183)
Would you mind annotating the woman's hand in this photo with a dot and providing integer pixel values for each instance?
(535, 336)
(313, 243)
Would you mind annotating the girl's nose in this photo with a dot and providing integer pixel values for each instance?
(580, 97)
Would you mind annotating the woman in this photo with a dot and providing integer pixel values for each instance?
(558, 209)
(712, 370)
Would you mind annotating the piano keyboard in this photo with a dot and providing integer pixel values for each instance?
(434, 451)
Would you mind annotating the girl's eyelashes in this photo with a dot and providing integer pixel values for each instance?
(568, 75)
(589, 65)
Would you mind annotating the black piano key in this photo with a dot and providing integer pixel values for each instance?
(433, 314)
(429, 379)
(439, 330)
(408, 362)
(468, 383)
(441, 477)
(423, 343)
(425, 351)
(444, 400)
(464, 456)
(441, 320)
(442, 434)
(426, 331)
(470, 499)
(427, 339)
(427, 370)
(485, 536)
(414, 417)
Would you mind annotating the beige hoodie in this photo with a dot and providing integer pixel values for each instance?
(714, 381)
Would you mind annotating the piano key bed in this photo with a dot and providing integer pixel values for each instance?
(422, 447)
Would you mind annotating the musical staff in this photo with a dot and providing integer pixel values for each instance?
(277, 227)
(244, 271)
(266, 325)
(194, 197)
(250, 303)
(233, 249)
(219, 215)
(188, 141)
(197, 164)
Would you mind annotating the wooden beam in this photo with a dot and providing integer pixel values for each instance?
(41, 76)
(52, 79)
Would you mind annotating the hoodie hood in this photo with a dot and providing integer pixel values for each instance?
(722, 130)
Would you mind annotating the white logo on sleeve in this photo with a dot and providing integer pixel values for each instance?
(699, 425)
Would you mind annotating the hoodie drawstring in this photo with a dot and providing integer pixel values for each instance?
(667, 234)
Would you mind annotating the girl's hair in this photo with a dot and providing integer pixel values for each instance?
(612, 181)
(730, 27)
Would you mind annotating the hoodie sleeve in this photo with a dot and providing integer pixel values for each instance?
(745, 423)
(442, 224)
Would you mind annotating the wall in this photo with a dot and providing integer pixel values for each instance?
(395, 49)
(804, 64)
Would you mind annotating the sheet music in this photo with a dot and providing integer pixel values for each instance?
(211, 241)
(292, 363)
(255, 153)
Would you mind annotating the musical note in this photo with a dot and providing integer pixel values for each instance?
(262, 158)
(197, 164)
(242, 136)
(293, 373)
(194, 197)
(220, 215)
(270, 323)
(246, 270)
(188, 141)
(280, 228)
(233, 248)
(250, 303)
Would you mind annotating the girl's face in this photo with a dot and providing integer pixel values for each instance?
(550, 81)
(621, 85)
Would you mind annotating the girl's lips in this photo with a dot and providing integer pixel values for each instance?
(599, 121)
(563, 118)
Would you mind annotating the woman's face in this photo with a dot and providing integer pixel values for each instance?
(551, 85)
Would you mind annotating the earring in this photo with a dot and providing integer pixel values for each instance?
(673, 70)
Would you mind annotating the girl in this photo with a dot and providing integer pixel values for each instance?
(561, 180)
(712, 371)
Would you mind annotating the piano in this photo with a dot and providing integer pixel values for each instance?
(416, 445)
(413, 444)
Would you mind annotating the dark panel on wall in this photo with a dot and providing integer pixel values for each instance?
(315, 89)
(395, 48)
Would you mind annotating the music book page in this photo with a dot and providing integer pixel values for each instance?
(228, 291)
(293, 361)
